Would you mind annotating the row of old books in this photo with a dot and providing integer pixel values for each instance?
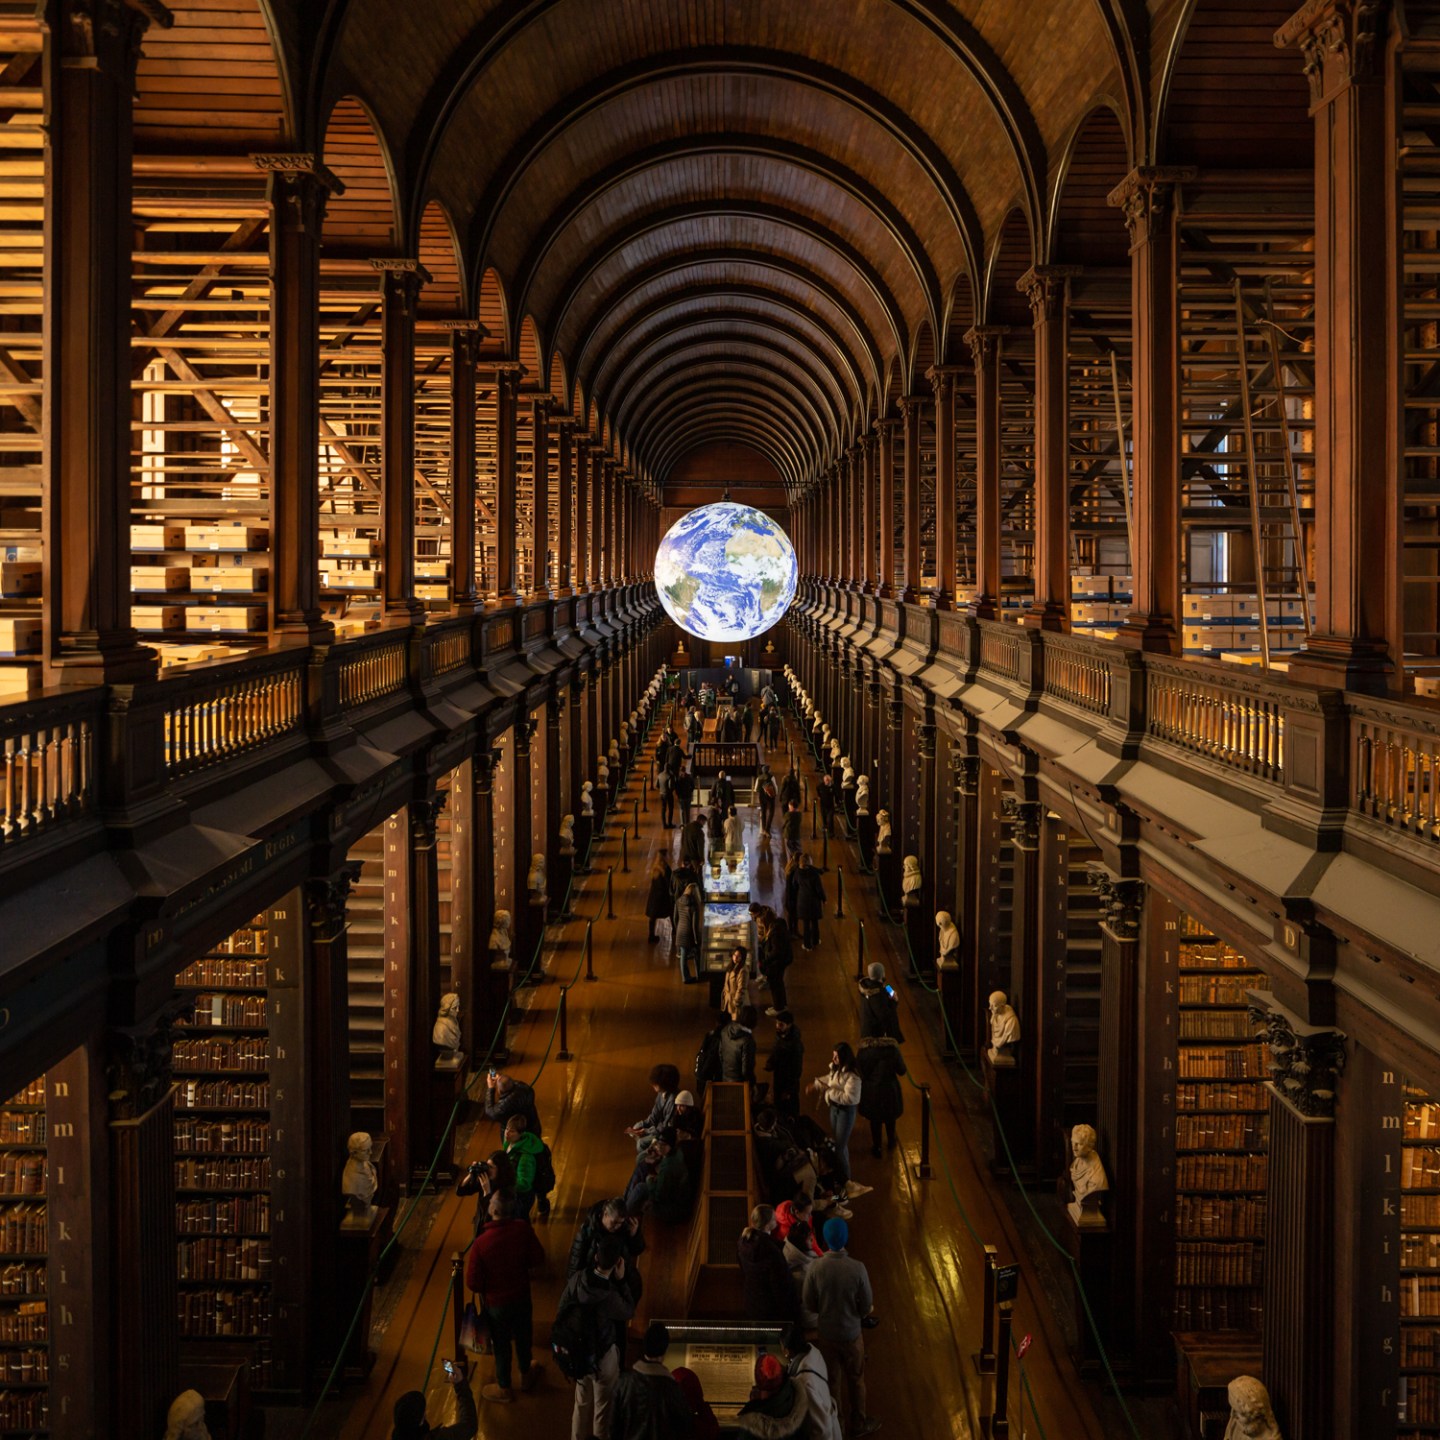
(1206, 1263)
(23, 1229)
(221, 1137)
(221, 1174)
(224, 973)
(22, 1172)
(1235, 1063)
(223, 1257)
(25, 1323)
(1207, 1217)
(220, 1215)
(1240, 1131)
(238, 1095)
(239, 1052)
(245, 1011)
(1220, 1097)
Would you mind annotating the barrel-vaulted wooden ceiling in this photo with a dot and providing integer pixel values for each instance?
(710, 222)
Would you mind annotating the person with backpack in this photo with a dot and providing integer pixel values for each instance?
(707, 1057)
(737, 1047)
(666, 785)
(648, 1403)
(809, 901)
(806, 1366)
(685, 794)
(768, 794)
(777, 1408)
(685, 932)
(594, 1303)
(790, 828)
(534, 1167)
(497, 1270)
(786, 1063)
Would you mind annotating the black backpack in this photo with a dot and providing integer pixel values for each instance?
(707, 1060)
(544, 1180)
(574, 1338)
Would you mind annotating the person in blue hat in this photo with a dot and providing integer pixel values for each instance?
(837, 1290)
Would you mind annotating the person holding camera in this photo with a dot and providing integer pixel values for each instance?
(408, 1417)
(483, 1179)
(497, 1269)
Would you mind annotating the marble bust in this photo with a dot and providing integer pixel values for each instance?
(185, 1419)
(949, 942)
(847, 773)
(535, 880)
(1251, 1417)
(624, 732)
(446, 1033)
(587, 798)
(862, 795)
(602, 771)
(910, 880)
(882, 833)
(359, 1182)
(500, 938)
(1004, 1029)
(1088, 1181)
(567, 834)
(612, 754)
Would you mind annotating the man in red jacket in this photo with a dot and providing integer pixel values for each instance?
(497, 1269)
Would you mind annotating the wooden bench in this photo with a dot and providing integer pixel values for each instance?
(728, 1192)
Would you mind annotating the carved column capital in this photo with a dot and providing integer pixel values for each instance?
(1145, 195)
(1337, 45)
(424, 818)
(325, 900)
(555, 708)
(1025, 816)
(1122, 900)
(984, 343)
(138, 1063)
(965, 770)
(403, 281)
(1044, 286)
(1306, 1061)
(926, 736)
(106, 35)
(524, 729)
(483, 765)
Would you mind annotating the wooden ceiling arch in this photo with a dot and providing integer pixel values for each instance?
(746, 330)
(444, 294)
(361, 221)
(714, 422)
(762, 383)
(719, 434)
(722, 271)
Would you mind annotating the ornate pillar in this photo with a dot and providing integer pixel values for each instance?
(480, 1019)
(526, 936)
(584, 446)
(1024, 983)
(984, 342)
(297, 188)
(400, 999)
(1147, 198)
(605, 493)
(1047, 287)
(465, 337)
(885, 433)
(869, 510)
(401, 284)
(960, 992)
(87, 354)
(596, 513)
(424, 978)
(920, 919)
(910, 419)
(540, 498)
(507, 388)
(942, 378)
(554, 800)
(1306, 1062)
(565, 567)
(1359, 626)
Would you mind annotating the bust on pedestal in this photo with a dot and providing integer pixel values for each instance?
(910, 881)
(185, 1420)
(1251, 1417)
(948, 944)
(359, 1183)
(882, 833)
(1088, 1181)
(1004, 1030)
(446, 1031)
(565, 864)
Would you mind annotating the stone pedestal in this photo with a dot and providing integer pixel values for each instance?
(584, 833)
(358, 1245)
(562, 883)
(1091, 1246)
(865, 832)
(1005, 1084)
(950, 976)
(492, 993)
(447, 1086)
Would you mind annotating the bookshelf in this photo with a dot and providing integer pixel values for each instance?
(1221, 1138)
(1419, 1391)
(365, 913)
(24, 1264)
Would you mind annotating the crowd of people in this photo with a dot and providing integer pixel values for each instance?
(793, 1255)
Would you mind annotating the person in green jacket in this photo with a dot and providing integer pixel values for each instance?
(524, 1149)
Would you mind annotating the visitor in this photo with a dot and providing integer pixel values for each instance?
(722, 793)
(747, 723)
(806, 1366)
(825, 794)
(766, 787)
(879, 1009)
(790, 828)
(483, 1178)
(790, 790)
(527, 1152)
(777, 1408)
(497, 1271)
(798, 1210)
(809, 901)
(715, 826)
(707, 1427)
(692, 843)
(408, 1420)
(770, 1294)
(593, 1304)
(786, 1064)
(506, 1096)
(735, 993)
(775, 957)
(664, 1085)
(882, 1100)
(737, 1047)
(837, 1289)
(660, 1181)
(685, 793)
(685, 932)
(657, 898)
(800, 1252)
(840, 1086)
(732, 832)
(648, 1401)
(666, 785)
(608, 1218)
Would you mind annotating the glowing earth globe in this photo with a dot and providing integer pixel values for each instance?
(725, 572)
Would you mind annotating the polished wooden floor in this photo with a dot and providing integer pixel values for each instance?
(923, 1261)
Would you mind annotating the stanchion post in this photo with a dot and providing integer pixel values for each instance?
(457, 1294)
(645, 795)
(1000, 1422)
(589, 950)
(839, 892)
(624, 854)
(635, 816)
(610, 893)
(563, 1053)
(922, 1170)
(814, 829)
(985, 1360)
(860, 954)
(825, 849)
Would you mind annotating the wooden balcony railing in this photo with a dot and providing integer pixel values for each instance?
(47, 748)
(1395, 767)
(447, 646)
(1078, 672)
(1000, 648)
(214, 713)
(1230, 719)
(372, 667)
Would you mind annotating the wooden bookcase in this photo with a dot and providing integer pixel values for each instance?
(1419, 1389)
(239, 1156)
(1221, 1139)
(365, 912)
(24, 1264)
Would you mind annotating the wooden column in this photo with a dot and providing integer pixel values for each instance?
(910, 420)
(403, 1082)
(1299, 1306)
(1024, 985)
(1359, 625)
(144, 1328)
(554, 720)
(401, 295)
(584, 447)
(297, 189)
(854, 515)
(540, 498)
(984, 342)
(323, 980)
(523, 846)
(1117, 1121)
(1051, 933)
(479, 1021)
(605, 526)
(465, 340)
(886, 430)
(507, 386)
(1047, 287)
(575, 748)
(597, 517)
(870, 510)
(566, 568)
(965, 1014)
(942, 378)
(90, 640)
(424, 980)
(1147, 197)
